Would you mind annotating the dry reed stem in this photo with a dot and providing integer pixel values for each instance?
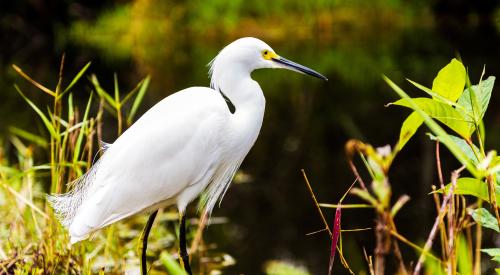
(432, 234)
(316, 203)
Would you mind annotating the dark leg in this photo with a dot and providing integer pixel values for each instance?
(143, 245)
(182, 244)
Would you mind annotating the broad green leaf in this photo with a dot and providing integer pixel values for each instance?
(435, 128)
(464, 146)
(432, 93)
(472, 187)
(493, 252)
(408, 129)
(464, 256)
(482, 92)
(442, 112)
(484, 218)
(450, 80)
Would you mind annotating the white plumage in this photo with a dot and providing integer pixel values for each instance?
(186, 144)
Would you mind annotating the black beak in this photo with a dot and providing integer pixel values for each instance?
(298, 68)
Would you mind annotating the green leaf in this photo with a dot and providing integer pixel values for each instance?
(433, 267)
(481, 92)
(442, 112)
(284, 268)
(435, 128)
(450, 80)
(45, 121)
(76, 78)
(79, 140)
(101, 92)
(131, 93)
(432, 93)
(472, 187)
(365, 196)
(117, 89)
(484, 218)
(464, 146)
(28, 136)
(409, 128)
(171, 265)
(493, 252)
(138, 100)
(464, 257)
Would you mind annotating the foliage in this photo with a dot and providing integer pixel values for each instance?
(284, 268)
(36, 242)
(459, 106)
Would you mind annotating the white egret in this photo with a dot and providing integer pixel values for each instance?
(187, 144)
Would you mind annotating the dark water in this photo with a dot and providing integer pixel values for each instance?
(306, 125)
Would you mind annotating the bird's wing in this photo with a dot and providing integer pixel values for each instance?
(177, 143)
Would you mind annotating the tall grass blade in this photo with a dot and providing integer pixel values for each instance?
(36, 84)
(138, 100)
(75, 79)
(79, 140)
(101, 92)
(36, 139)
(46, 122)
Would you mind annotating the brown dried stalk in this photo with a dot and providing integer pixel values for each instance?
(439, 218)
(316, 203)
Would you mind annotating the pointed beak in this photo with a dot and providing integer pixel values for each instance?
(287, 64)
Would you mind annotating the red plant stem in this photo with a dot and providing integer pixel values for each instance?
(335, 238)
(356, 174)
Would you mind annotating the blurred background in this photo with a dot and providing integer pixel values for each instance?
(307, 121)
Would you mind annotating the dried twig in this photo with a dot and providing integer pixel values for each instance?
(442, 211)
(316, 203)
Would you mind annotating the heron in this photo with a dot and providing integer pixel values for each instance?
(191, 143)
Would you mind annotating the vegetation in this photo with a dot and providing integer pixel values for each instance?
(263, 219)
(467, 205)
(461, 205)
(36, 243)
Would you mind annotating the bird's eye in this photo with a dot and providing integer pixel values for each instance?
(266, 54)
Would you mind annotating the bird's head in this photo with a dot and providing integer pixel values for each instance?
(249, 54)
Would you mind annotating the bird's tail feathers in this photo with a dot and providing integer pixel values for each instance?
(216, 190)
(66, 205)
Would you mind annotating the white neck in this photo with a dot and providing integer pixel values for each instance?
(249, 102)
(237, 85)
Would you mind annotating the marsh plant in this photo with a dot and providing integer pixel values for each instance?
(466, 199)
(34, 164)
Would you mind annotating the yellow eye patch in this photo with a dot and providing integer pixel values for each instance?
(268, 55)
